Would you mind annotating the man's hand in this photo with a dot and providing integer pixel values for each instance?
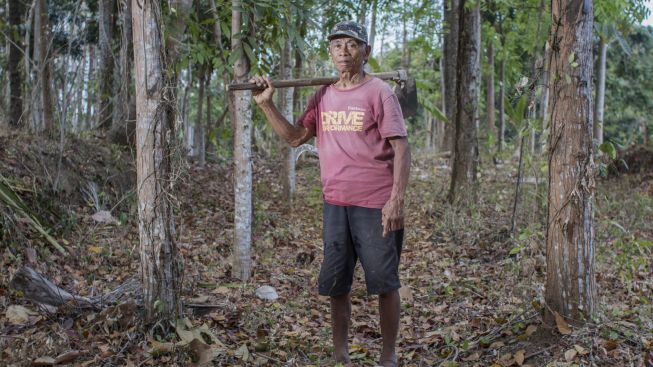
(265, 95)
(392, 216)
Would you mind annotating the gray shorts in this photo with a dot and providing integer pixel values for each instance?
(351, 233)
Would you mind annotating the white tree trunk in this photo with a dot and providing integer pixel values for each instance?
(241, 115)
(160, 265)
(285, 96)
(600, 92)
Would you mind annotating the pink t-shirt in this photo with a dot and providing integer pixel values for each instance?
(352, 127)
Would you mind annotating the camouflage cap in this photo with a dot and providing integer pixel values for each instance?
(349, 29)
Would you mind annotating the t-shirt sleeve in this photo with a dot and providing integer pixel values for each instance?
(308, 119)
(391, 119)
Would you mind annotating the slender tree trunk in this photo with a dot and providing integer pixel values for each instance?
(16, 12)
(404, 40)
(372, 35)
(124, 110)
(42, 89)
(570, 288)
(90, 96)
(209, 125)
(450, 50)
(160, 265)
(544, 104)
(600, 91)
(501, 133)
(105, 64)
(285, 96)
(241, 115)
(185, 112)
(464, 157)
(199, 124)
(490, 87)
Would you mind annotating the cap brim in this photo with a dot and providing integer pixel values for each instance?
(346, 34)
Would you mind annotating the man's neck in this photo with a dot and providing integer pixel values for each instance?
(349, 79)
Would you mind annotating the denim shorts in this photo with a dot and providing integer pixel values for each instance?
(351, 233)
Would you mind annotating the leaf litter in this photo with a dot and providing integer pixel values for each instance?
(469, 298)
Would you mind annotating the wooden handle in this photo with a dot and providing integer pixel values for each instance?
(398, 75)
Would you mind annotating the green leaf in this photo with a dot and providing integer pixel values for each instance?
(609, 149)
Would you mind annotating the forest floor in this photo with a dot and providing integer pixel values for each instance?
(472, 294)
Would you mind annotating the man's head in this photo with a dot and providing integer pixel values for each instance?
(348, 46)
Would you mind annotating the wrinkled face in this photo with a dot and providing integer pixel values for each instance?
(348, 54)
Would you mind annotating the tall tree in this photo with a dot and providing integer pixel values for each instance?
(600, 90)
(570, 280)
(450, 51)
(464, 154)
(285, 104)
(200, 138)
(41, 110)
(155, 116)
(241, 117)
(124, 108)
(16, 13)
(490, 86)
(105, 63)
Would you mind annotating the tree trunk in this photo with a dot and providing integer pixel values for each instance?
(600, 91)
(105, 64)
(570, 288)
(124, 110)
(90, 97)
(185, 112)
(372, 36)
(16, 12)
(501, 133)
(199, 124)
(405, 62)
(160, 265)
(464, 157)
(544, 104)
(285, 96)
(490, 87)
(450, 50)
(241, 116)
(208, 125)
(41, 111)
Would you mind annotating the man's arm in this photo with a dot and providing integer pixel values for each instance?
(294, 135)
(393, 211)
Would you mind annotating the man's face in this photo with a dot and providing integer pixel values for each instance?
(348, 54)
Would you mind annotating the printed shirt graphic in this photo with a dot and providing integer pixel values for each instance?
(352, 127)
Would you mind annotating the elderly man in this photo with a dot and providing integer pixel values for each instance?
(364, 166)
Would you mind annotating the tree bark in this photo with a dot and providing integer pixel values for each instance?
(41, 111)
(464, 154)
(124, 110)
(90, 97)
(570, 288)
(285, 96)
(375, 4)
(199, 123)
(450, 51)
(490, 87)
(16, 12)
(600, 91)
(105, 63)
(501, 133)
(160, 263)
(544, 103)
(241, 116)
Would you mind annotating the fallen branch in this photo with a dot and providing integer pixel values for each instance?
(39, 289)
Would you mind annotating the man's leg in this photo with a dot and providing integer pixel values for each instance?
(340, 314)
(389, 309)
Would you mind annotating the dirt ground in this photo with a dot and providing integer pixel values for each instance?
(472, 294)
